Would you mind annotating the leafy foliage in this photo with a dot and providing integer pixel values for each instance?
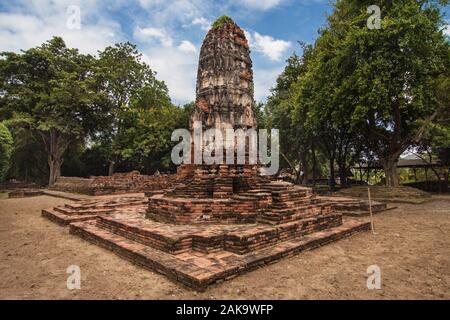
(6, 149)
(222, 20)
(376, 92)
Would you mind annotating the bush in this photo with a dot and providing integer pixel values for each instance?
(6, 149)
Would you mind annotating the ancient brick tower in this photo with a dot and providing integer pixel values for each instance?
(215, 221)
(224, 100)
(225, 79)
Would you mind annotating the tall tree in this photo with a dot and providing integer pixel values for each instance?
(435, 144)
(51, 91)
(124, 75)
(389, 73)
(145, 137)
(328, 107)
(295, 137)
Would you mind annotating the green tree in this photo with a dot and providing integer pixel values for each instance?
(387, 75)
(29, 159)
(282, 112)
(435, 144)
(6, 149)
(323, 104)
(124, 77)
(52, 91)
(145, 138)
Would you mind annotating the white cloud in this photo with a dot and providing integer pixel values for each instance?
(33, 22)
(261, 4)
(267, 45)
(178, 69)
(187, 46)
(169, 52)
(203, 23)
(447, 30)
(144, 34)
(264, 80)
(165, 13)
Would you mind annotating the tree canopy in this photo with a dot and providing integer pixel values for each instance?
(57, 99)
(366, 91)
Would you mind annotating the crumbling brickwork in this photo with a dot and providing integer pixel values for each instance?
(118, 183)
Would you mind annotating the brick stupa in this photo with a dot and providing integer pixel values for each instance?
(215, 221)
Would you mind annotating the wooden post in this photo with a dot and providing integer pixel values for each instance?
(370, 211)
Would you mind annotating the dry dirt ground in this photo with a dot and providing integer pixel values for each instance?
(412, 248)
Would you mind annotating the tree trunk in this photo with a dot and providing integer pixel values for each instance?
(390, 171)
(445, 189)
(368, 175)
(304, 165)
(331, 180)
(342, 174)
(55, 170)
(314, 164)
(55, 144)
(111, 168)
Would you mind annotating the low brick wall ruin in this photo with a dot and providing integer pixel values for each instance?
(131, 182)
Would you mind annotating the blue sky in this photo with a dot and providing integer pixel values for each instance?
(168, 33)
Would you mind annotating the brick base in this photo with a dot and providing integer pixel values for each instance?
(198, 270)
(201, 231)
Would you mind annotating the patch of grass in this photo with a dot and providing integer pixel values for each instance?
(221, 21)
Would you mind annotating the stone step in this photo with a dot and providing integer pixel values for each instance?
(107, 204)
(63, 219)
(242, 239)
(243, 243)
(154, 238)
(69, 211)
(293, 204)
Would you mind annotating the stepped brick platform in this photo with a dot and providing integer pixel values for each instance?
(212, 222)
(198, 256)
(83, 210)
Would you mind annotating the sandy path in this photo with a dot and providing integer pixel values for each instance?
(412, 248)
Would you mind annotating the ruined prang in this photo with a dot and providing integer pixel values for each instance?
(224, 79)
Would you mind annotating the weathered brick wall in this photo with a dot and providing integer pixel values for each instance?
(118, 183)
(73, 184)
(13, 185)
